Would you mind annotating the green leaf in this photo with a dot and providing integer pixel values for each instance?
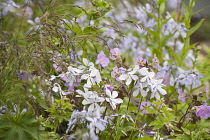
(193, 29)
(20, 127)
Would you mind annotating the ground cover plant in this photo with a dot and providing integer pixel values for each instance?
(94, 70)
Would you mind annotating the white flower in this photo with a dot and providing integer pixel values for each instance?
(130, 75)
(156, 86)
(147, 75)
(140, 89)
(112, 98)
(70, 75)
(92, 78)
(57, 88)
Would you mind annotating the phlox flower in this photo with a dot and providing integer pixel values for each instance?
(102, 60)
(144, 105)
(57, 88)
(182, 96)
(203, 111)
(130, 75)
(115, 53)
(92, 78)
(156, 87)
(147, 76)
(70, 75)
(23, 75)
(117, 72)
(109, 87)
(155, 61)
(140, 61)
(112, 98)
(140, 89)
(9, 6)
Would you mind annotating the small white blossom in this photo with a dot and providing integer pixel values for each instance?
(130, 75)
(112, 98)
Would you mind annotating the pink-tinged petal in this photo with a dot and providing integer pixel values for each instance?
(136, 93)
(123, 77)
(114, 94)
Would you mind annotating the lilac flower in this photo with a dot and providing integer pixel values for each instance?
(144, 105)
(23, 75)
(102, 60)
(182, 96)
(203, 111)
(140, 61)
(117, 72)
(115, 53)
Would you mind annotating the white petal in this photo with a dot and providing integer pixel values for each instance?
(129, 80)
(157, 96)
(114, 94)
(143, 71)
(108, 92)
(151, 74)
(136, 93)
(123, 77)
(85, 61)
(143, 93)
(143, 79)
(100, 126)
(134, 77)
(134, 70)
(117, 101)
(55, 89)
(162, 91)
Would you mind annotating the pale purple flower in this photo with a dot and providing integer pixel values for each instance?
(23, 75)
(28, 12)
(140, 61)
(109, 87)
(182, 96)
(203, 111)
(155, 61)
(117, 72)
(57, 68)
(102, 60)
(115, 53)
(144, 105)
